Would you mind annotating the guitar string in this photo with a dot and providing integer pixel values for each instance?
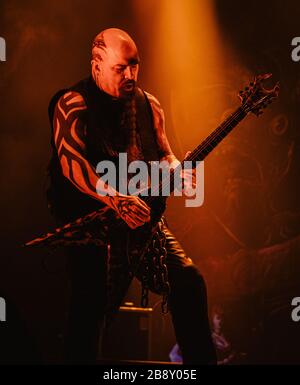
(195, 153)
(222, 128)
(206, 143)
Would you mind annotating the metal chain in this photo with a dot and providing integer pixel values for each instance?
(155, 269)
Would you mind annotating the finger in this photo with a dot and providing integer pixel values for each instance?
(141, 216)
(131, 222)
(141, 212)
(190, 183)
(137, 216)
(188, 179)
(187, 154)
(140, 220)
(187, 172)
(136, 222)
(132, 225)
(134, 208)
(144, 205)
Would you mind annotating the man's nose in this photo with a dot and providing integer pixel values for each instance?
(128, 73)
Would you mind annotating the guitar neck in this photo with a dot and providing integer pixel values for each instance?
(216, 136)
(205, 147)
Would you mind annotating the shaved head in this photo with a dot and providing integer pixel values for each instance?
(115, 62)
(112, 39)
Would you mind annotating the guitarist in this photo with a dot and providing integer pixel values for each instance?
(95, 120)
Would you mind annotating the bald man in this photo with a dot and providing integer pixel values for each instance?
(95, 120)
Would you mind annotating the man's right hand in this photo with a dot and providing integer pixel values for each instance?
(133, 210)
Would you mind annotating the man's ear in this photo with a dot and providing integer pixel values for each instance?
(96, 66)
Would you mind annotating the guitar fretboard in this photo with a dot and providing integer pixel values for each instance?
(203, 149)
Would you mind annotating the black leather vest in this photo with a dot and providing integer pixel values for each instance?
(105, 138)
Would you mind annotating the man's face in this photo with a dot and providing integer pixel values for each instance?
(118, 71)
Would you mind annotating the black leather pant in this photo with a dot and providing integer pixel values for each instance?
(188, 304)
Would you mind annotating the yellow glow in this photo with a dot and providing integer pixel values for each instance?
(185, 65)
(196, 77)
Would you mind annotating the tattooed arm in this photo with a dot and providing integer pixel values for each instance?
(188, 175)
(69, 138)
(161, 138)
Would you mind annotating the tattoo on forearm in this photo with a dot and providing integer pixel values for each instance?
(69, 137)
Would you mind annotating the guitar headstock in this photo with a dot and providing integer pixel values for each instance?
(255, 97)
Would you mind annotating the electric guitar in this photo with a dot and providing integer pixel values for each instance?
(145, 245)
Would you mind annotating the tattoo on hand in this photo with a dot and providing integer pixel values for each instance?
(125, 207)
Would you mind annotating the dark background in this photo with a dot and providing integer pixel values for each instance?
(245, 237)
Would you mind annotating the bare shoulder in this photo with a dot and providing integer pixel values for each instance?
(69, 103)
(72, 98)
(156, 107)
(159, 125)
(152, 98)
